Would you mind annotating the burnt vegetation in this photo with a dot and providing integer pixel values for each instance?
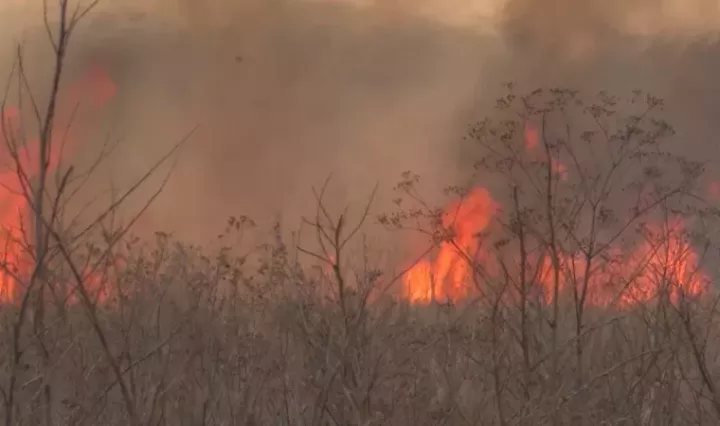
(564, 320)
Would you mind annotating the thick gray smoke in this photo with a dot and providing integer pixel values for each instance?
(666, 47)
(288, 91)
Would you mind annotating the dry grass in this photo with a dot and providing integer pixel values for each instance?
(190, 337)
(270, 351)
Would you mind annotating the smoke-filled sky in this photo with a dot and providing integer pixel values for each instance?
(288, 91)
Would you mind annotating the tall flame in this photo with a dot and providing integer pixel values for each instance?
(446, 277)
(663, 264)
(97, 89)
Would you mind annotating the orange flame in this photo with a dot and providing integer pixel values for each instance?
(531, 138)
(664, 264)
(97, 88)
(446, 277)
(714, 190)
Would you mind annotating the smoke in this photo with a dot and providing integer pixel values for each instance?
(669, 48)
(286, 92)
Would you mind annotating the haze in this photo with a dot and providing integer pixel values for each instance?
(286, 92)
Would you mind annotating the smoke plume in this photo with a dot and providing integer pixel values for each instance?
(286, 92)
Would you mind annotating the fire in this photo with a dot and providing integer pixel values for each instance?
(714, 190)
(97, 89)
(446, 277)
(668, 264)
(532, 137)
(664, 263)
(560, 169)
(532, 143)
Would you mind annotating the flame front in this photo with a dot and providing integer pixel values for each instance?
(15, 262)
(664, 264)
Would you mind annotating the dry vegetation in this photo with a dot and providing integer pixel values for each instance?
(185, 336)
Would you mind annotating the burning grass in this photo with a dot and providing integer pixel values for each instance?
(199, 340)
(523, 312)
(571, 291)
(517, 315)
